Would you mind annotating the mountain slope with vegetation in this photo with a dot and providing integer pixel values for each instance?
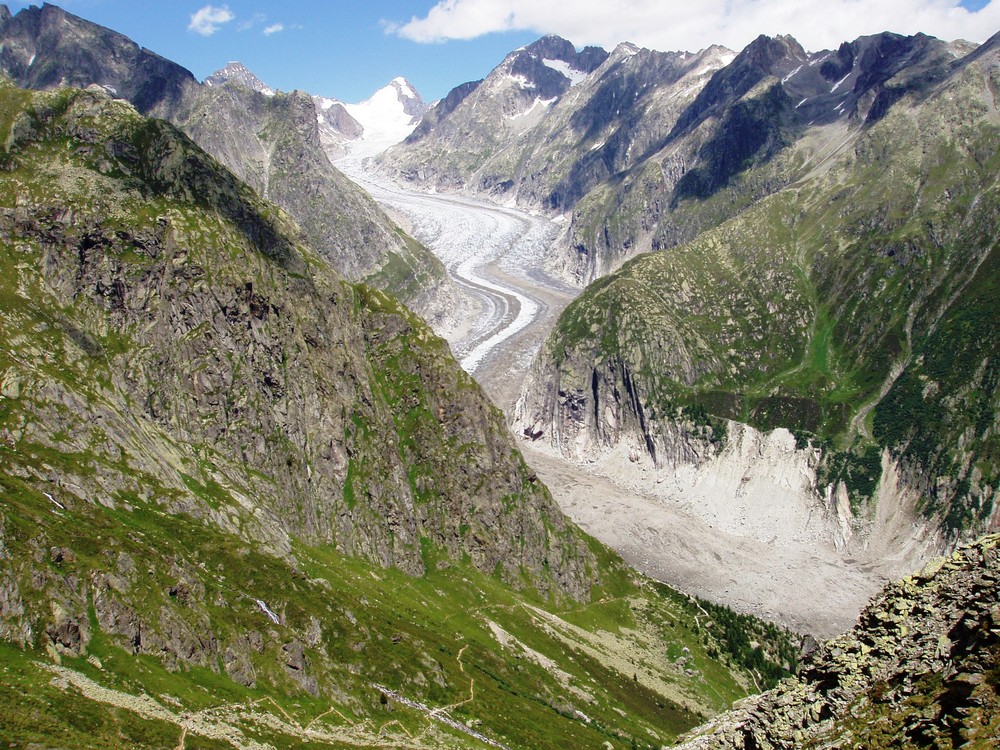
(270, 140)
(245, 503)
(855, 307)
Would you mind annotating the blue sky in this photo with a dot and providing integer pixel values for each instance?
(330, 47)
(349, 48)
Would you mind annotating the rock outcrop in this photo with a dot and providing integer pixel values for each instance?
(920, 669)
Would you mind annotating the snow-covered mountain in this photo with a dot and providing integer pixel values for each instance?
(237, 72)
(384, 119)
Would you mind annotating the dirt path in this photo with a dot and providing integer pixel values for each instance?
(237, 723)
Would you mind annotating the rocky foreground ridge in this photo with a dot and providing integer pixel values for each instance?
(920, 669)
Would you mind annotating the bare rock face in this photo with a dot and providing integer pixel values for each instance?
(919, 667)
(14, 623)
(236, 662)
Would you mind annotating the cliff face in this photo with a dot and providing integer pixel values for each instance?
(271, 141)
(919, 669)
(849, 309)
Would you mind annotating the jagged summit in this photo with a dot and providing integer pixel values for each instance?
(549, 66)
(46, 47)
(407, 95)
(236, 72)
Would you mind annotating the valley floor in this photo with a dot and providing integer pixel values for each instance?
(796, 576)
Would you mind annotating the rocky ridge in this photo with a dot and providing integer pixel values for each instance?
(270, 140)
(920, 668)
(473, 125)
(631, 152)
(732, 145)
(275, 364)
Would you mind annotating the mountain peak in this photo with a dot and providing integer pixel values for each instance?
(407, 95)
(237, 73)
(46, 47)
(548, 67)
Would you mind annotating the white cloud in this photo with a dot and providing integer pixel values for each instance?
(256, 20)
(206, 21)
(695, 24)
(274, 28)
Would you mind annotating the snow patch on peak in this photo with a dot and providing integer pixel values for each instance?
(791, 75)
(715, 58)
(575, 76)
(404, 88)
(837, 84)
(388, 115)
(521, 81)
(325, 102)
(238, 73)
(539, 102)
